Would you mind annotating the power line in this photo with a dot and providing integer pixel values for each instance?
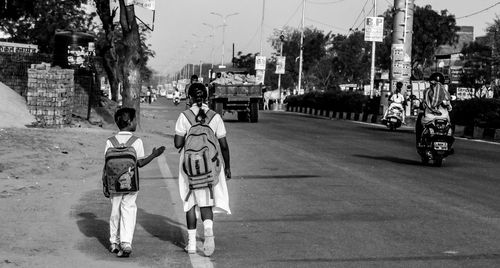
(359, 15)
(363, 21)
(325, 24)
(293, 15)
(325, 3)
(478, 12)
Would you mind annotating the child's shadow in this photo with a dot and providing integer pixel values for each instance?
(161, 227)
(91, 226)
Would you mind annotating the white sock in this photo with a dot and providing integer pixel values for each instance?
(208, 224)
(192, 234)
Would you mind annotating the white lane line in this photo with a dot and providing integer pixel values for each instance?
(197, 261)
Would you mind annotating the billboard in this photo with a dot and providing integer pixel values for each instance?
(374, 29)
(280, 65)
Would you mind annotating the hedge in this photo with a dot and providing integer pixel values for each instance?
(339, 101)
(476, 112)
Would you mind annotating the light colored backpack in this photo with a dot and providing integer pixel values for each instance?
(202, 158)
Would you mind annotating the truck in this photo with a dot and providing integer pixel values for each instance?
(235, 90)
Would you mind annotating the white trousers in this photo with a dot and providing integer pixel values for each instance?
(122, 219)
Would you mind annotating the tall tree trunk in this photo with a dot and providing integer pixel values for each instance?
(130, 69)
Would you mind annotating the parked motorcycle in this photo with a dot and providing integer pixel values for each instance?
(394, 118)
(436, 142)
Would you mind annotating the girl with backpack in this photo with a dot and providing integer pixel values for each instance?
(203, 172)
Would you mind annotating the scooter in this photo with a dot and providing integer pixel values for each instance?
(436, 142)
(394, 118)
(176, 101)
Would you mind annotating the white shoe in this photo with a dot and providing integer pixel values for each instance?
(209, 243)
(191, 247)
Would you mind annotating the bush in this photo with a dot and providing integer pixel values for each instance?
(476, 112)
(339, 101)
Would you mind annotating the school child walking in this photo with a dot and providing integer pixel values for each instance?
(124, 154)
(196, 198)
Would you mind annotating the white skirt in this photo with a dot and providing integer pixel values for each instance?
(201, 197)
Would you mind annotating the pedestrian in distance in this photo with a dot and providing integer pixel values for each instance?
(124, 154)
(200, 198)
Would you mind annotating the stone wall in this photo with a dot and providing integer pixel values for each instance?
(50, 95)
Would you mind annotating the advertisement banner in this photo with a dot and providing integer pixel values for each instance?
(8, 47)
(259, 76)
(374, 29)
(147, 4)
(260, 63)
(280, 64)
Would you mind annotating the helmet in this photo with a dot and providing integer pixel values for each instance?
(436, 77)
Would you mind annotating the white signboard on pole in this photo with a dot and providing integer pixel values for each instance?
(148, 4)
(260, 63)
(280, 64)
(374, 29)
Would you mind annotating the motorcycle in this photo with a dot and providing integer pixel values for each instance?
(436, 142)
(394, 118)
(176, 101)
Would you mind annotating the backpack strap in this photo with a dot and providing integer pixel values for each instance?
(191, 117)
(114, 141)
(131, 141)
(210, 115)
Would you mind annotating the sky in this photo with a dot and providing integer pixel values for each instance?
(180, 36)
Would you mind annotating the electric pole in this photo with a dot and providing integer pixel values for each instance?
(372, 69)
(301, 44)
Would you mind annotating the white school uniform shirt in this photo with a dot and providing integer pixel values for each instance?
(200, 197)
(123, 137)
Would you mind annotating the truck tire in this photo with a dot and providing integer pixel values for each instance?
(254, 112)
(243, 116)
(219, 108)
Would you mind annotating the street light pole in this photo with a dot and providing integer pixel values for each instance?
(213, 38)
(372, 69)
(301, 42)
(223, 31)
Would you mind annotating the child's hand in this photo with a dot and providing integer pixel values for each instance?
(158, 151)
(227, 171)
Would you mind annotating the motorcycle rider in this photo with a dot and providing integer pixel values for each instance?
(397, 101)
(177, 96)
(435, 105)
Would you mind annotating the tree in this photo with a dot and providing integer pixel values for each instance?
(314, 49)
(430, 30)
(36, 22)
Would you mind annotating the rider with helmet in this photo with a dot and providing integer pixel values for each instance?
(436, 104)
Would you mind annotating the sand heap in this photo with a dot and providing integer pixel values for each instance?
(13, 109)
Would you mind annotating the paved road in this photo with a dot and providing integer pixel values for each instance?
(310, 192)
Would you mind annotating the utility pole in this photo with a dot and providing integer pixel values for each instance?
(262, 25)
(372, 69)
(223, 31)
(301, 44)
(401, 46)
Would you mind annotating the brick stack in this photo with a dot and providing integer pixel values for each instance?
(49, 96)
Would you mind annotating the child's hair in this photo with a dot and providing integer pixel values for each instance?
(198, 93)
(124, 117)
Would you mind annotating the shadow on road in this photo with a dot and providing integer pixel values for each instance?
(383, 128)
(161, 227)
(397, 259)
(391, 159)
(91, 226)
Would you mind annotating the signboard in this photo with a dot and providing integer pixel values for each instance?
(259, 76)
(374, 29)
(464, 93)
(280, 64)
(455, 75)
(260, 63)
(148, 4)
(17, 48)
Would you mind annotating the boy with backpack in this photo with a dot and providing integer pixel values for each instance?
(203, 166)
(124, 154)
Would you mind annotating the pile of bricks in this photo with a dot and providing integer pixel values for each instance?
(49, 96)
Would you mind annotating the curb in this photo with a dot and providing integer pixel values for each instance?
(360, 117)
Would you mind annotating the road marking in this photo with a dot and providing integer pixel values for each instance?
(458, 138)
(197, 261)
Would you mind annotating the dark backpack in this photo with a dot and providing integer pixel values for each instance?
(121, 174)
(202, 159)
